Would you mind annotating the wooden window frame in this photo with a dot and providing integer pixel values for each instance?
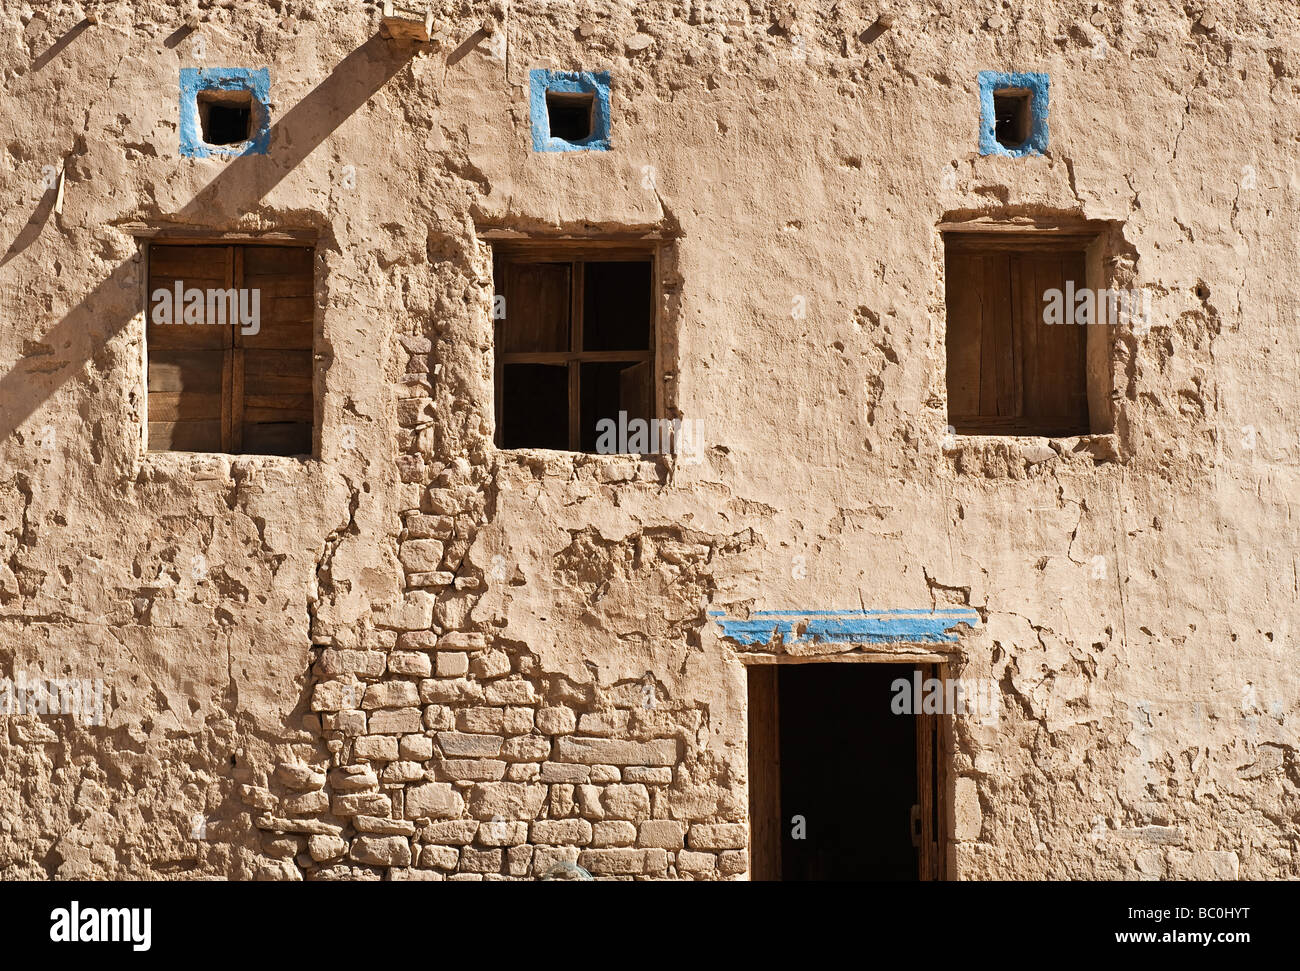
(576, 254)
(233, 399)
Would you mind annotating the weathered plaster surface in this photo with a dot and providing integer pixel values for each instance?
(1136, 593)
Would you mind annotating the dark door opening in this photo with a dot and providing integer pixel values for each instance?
(842, 786)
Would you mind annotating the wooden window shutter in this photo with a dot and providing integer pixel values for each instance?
(1009, 372)
(214, 388)
(273, 368)
(189, 372)
(1055, 362)
(537, 307)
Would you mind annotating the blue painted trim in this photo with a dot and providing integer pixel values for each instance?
(596, 83)
(919, 612)
(1039, 104)
(915, 626)
(196, 79)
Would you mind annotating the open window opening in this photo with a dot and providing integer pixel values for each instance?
(575, 347)
(1013, 368)
(229, 342)
(225, 117)
(570, 115)
(1012, 115)
(843, 787)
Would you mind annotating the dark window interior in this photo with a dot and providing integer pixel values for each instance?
(616, 306)
(608, 388)
(1008, 371)
(533, 395)
(574, 349)
(1012, 116)
(570, 115)
(226, 117)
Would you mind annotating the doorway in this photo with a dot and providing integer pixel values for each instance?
(843, 785)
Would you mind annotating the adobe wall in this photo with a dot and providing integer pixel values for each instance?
(418, 656)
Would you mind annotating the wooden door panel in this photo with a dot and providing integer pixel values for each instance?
(764, 773)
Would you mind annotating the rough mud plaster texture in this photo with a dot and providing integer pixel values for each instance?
(418, 657)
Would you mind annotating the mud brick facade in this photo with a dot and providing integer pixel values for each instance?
(417, 654)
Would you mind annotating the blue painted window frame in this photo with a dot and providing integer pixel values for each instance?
(257, 81)
(1039, 104)
(542, 81)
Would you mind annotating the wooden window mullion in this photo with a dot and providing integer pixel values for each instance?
(656, 403)
(1022, 312)
(145, 281)
(237, 359)
(564, 357)
(575, 366)
(499, 270)
(498, 391)
(227, 365)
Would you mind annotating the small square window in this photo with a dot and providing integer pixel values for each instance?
(569, 110)
(224, 111)
(225, 117)
(574, 352)
(1013, 113)
(569, 115)
(228, 343)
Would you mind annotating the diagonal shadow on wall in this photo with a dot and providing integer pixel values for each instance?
(108, 308)
(32, 231)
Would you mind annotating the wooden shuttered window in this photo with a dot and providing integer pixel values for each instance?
(575, 345)
(222, 385)
(1009, 373)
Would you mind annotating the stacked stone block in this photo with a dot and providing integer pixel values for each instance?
(447, 755)
(464, 770)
